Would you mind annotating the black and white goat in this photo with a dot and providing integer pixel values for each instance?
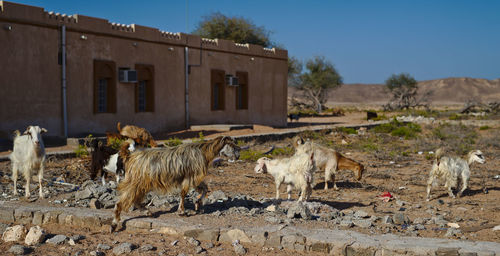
(107, 159)
(28, 156)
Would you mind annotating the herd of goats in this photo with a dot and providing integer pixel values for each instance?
(183, 167)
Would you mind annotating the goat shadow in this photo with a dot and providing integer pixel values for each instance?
(468, 192)
(341, 184)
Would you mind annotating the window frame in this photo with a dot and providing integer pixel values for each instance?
(145, 73)
(105, 69)
(217, 76)
(243, 88)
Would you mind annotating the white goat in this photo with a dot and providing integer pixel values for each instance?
(451, 169)
(296, 171)
(28, 155)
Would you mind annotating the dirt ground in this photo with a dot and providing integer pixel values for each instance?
(393, 164)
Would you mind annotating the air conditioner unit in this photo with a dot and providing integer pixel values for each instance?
(127, 76)
(232, 80)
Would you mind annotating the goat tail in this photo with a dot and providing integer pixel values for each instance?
(118, 127)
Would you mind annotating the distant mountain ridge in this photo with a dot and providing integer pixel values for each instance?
(454, 90)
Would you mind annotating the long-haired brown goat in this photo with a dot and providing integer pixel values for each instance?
(173, 168)
(140, 135)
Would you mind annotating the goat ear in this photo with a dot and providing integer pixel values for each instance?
(44, 130)
(27, 130)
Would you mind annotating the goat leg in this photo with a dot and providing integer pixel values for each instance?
(334, 183)
(202, 189)
(181, 210)
(15, 170)
(278, 185)
(289, 188)
(464, 187)
(28, 181)
(40, 178)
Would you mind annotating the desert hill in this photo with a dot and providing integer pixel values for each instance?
(445, 91)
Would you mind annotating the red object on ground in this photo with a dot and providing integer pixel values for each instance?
(386, 196)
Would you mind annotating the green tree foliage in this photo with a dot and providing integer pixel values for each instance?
(238, 29)
(294, 70)
(404, 90)
(320, 76)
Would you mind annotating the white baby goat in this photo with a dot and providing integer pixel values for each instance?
(296, 171)
(28, 155)
(451, 169)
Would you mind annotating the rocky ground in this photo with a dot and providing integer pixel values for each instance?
(238, 195)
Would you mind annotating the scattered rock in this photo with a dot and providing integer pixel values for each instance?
(96, 253)
(453, 232)
(360, 214)
(400, 203)
(193, 241)
(146, 248)
(234, 234)
(83, 194)
(419, 227)
(346, 223)
(387, 220)
(77, 238)
(496, 228)
(174, 243)
(198, 249)
(239, 249)
(210, 245)
(19, 249)
(123, 248)
(299, 210)
(363, 223)
(14, 233)
(419, 220)
(271, 208)
(58, 239)
(400, 219)
(35, 236)
(217, 196)
(103, 247)
(95, 204)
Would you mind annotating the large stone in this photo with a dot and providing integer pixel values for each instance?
(290, 241)
(103, 247)
(6, 215)
(50, 217)
(123, 248)
(19, 249)
(217, 196)
(239, 249)
(204, 235)
(234, 234)
(346, 223)
(57, 240)
(35, 236)
(299, 210)
(37, 218)
(23, 216)
(400, 219)
(14, 234)
(320, 247)
(362, 223)
(83, 194)
(360, 214)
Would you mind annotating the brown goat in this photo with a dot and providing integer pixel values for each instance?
(140, 135)
(329, 160)
(173, 168)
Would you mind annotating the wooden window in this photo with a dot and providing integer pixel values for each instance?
(104, 86)
(144, 92)
(217, 83)
(242, 91)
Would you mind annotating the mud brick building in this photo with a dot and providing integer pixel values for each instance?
(75, 75)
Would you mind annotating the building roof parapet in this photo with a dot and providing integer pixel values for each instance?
(62, 17)
(244, 46)
(209, 41)
(25, 14)
(170, 35)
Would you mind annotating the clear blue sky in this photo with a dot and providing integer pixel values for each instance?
(366, 40)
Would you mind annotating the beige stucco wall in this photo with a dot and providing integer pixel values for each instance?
(31, 76)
